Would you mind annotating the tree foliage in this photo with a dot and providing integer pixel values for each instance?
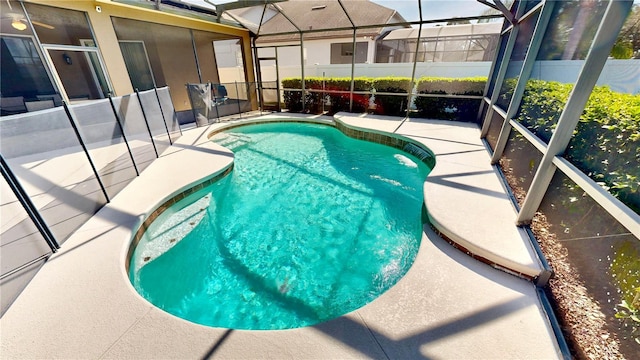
(628, 42)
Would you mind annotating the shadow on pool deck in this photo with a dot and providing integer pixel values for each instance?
(448, 305)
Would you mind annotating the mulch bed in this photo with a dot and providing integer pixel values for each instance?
(583, 323)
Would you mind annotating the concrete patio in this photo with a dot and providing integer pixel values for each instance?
(449, 305)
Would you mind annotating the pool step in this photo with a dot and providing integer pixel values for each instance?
(231, 140)
(173, 226)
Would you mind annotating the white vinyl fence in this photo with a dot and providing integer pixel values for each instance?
(621, 75)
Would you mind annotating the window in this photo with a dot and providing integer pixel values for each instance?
(23, 73)
(341, 53)
(24, 79)
(71, 51)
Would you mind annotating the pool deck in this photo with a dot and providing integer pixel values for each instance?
(449, 305)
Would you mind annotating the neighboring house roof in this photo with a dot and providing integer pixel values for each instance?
(328, 14)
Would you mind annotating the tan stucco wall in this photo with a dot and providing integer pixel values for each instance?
(107, 41)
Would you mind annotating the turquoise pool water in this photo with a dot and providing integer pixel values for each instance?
(308, 226)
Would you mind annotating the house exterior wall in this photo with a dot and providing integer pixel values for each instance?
(317, 51)
(107, 41)
(453, 70)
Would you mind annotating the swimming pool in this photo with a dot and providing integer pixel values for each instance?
(309, 225)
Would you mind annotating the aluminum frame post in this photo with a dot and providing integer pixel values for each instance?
(299, 31)
(502, 71)
(599, 51)
(523, 78)
(278, 89)
(415, 62)
(353, 56)
(303, 83)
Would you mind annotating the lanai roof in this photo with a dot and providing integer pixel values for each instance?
(317, 15)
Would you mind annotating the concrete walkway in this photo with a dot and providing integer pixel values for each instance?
(449, 305)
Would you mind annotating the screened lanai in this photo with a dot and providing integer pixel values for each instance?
(553, 87)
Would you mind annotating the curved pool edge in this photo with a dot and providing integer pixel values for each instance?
(386, 138)
(167, 202)
(463, 194)
(391, 148)
(267, 120)
(380, 137)
(529, 270)
(99, 314)
(190, 186)
(436, 214)
(396, 141)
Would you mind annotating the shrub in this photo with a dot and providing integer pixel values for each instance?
(339, 101)
(391, 104)
(445, 107)
(292, 99)
(606, 145)
(452, 86)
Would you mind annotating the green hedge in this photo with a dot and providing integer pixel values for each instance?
(440, 108)
(391, 104)
(385, 104)
(451, 86)
(450, 108)
(606, 145)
